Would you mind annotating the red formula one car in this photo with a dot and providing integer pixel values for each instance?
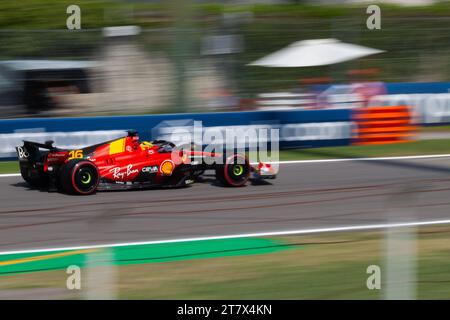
(128, 163)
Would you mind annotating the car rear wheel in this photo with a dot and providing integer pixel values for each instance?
(235, 172)
(79, 176)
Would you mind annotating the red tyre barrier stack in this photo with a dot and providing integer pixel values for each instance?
(381, 125)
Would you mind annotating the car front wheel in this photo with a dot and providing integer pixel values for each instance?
(235, 172)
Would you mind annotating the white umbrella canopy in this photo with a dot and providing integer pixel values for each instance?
(317, 52)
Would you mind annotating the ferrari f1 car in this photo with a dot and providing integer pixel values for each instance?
(128, 163)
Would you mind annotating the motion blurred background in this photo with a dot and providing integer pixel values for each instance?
(168, 63)
(192, 56)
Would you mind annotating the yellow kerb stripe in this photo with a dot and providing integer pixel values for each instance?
(45, 257)
(117, 146)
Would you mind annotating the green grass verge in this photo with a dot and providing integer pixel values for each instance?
(326, 266)
(445, 128)
(422, 147)
(9, 167)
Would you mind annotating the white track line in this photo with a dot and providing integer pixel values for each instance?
(4, 175)
(320, 161)
(244, 235)
(363, 159)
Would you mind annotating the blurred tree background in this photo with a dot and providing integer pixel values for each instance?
(417, 39)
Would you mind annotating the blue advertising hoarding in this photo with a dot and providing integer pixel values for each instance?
(297, 129)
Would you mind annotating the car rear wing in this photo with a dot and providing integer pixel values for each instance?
(30, 152)
(46, 145)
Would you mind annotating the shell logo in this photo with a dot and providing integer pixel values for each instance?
(167, 167)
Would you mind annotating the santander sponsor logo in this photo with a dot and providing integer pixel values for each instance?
(118, 174)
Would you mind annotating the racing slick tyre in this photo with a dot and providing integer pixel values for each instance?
(79, 176)
(235, 172)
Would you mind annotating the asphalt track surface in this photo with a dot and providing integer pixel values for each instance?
(305, 195)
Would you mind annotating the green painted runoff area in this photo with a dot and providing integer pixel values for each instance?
(138, 254)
